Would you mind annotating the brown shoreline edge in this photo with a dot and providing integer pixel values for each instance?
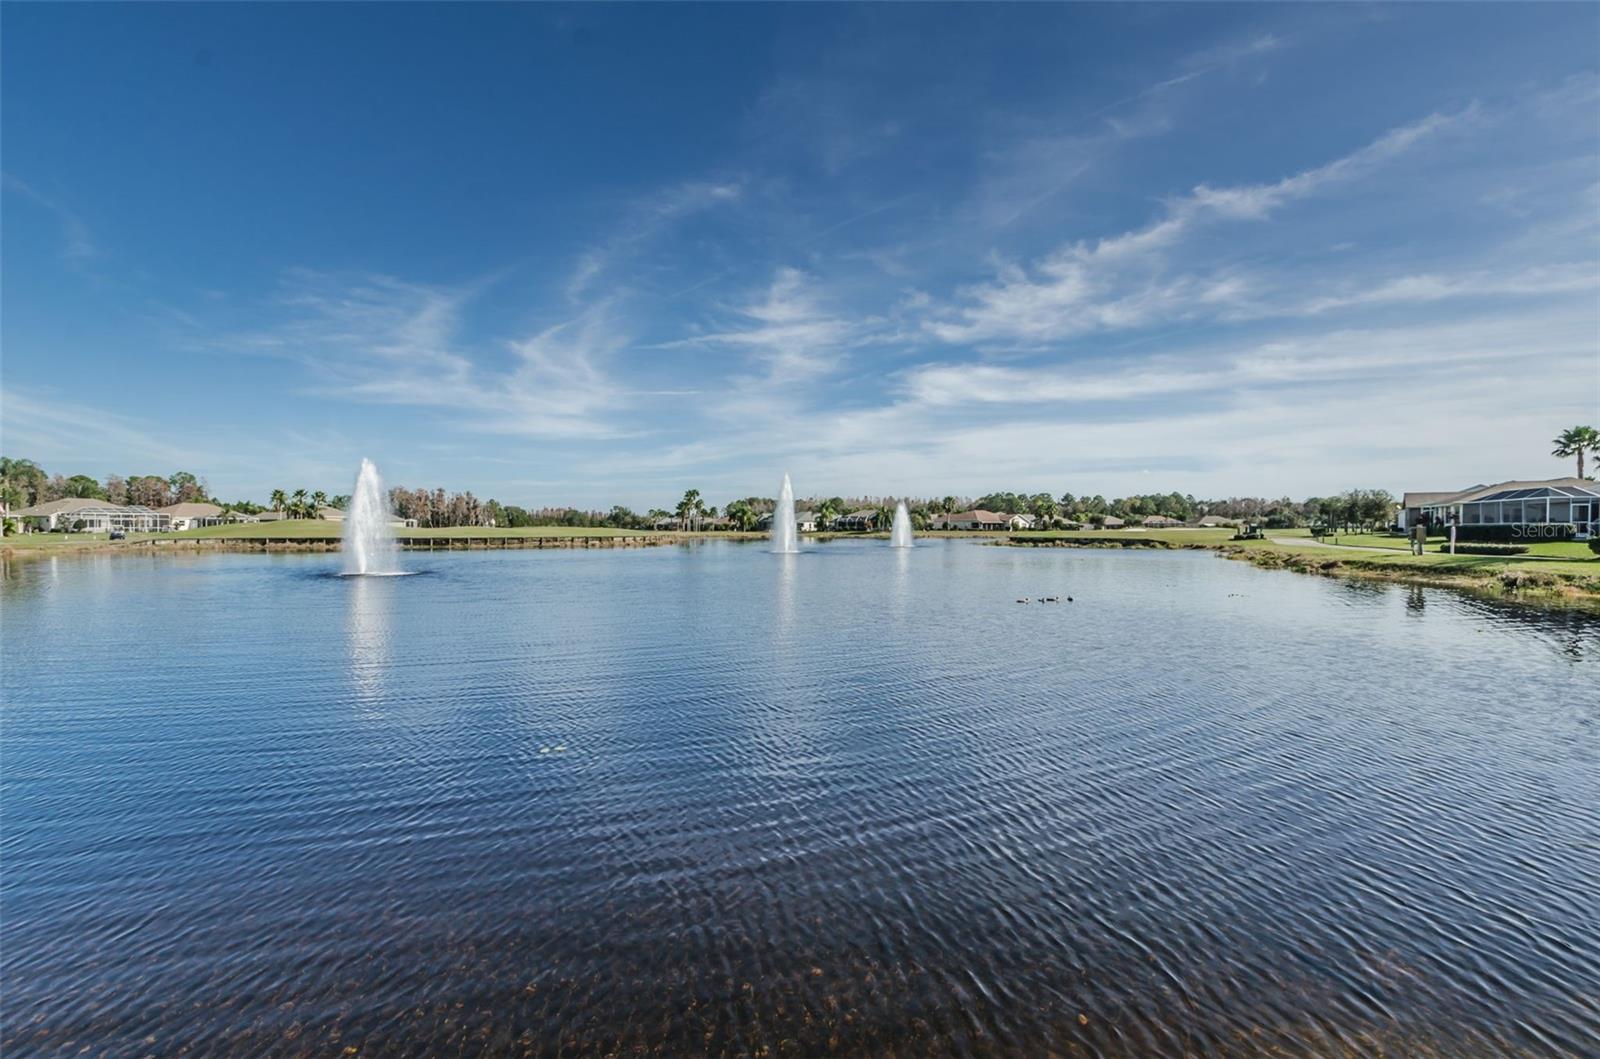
(1532, 588)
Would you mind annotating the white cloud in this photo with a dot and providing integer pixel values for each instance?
(1119, 282)
(385, 341)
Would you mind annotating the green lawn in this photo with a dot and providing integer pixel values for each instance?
(1179, 537)
(1574, 550)
(1587, 566)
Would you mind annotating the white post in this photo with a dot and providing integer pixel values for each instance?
(1452, 538)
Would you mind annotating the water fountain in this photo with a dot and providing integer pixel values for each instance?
(784, 539)
(900, 536)
(369, 545)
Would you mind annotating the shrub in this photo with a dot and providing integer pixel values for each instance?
(1486, 548)
(1594, 545)
(1554, 531)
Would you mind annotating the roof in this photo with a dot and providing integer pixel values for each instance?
(70, 503)
(192, 510)
(1112, 520)
(1162, 520)
(1517, 490)
(866, 512)
(1419, 499)
(1215, 520)
(805, 516)
(978, 515)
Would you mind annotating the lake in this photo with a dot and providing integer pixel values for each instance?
(705, 800)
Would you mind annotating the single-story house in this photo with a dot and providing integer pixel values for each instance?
(1020, 522)
(1411, 505)
(865, 519)
(96, 516)
(972, 520)
(804, 521)
(1162, 522)
(1215, 522)
(190, 516)
(1113, 522)
(1519, 508)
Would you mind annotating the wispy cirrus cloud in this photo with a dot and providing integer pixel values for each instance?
(643, 221)
(381, 340)
(1120, 281)
(77, 243)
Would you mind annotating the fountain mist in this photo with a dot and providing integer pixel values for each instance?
(369, 545)
(784, 538)
(900, 537)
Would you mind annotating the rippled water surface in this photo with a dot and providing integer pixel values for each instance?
(708, 800)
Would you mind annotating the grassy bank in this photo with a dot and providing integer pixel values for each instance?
(1553, 574)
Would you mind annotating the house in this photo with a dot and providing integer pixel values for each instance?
(972, 520)
(664, 522)
(804, 521)
(1162, 522)
(1020, 522)
(92, 516)
(1411, 505)
(1216, 522)
(192, 516)
(1520, 509)
(1113, 522)
(865, 519)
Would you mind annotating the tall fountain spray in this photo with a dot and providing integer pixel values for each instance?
(369, 547)
(900, 536)
(784, 538)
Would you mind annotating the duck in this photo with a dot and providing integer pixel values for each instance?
(1023, 599)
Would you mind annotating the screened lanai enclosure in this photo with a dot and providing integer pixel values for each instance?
(1497, 511)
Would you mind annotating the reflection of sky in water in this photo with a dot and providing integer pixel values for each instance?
(859, 778)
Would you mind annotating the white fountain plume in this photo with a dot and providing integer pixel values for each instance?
(369, 546)
(784, 539)
(900, 536)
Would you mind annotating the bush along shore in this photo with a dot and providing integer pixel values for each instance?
(1550, 583)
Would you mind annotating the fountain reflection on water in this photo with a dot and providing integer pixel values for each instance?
(369, 545)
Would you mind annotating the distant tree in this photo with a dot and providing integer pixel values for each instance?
(319, 500)
(280, 500)
(54, 488)
(1043, 507)
(297, 504)
(186, 488)
(82, 485)
(149, 491)
(20, 481)
(1575, 441)
(742, 515)
(689, 509)
(116, 489)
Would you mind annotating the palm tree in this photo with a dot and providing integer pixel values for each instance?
(297, 504)
(1576, 442)
(279, 500)
(689, 507)
(827, 511)
(319, 500)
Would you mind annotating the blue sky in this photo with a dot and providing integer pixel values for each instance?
(602, 254)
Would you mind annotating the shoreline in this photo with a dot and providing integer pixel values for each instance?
(1488, 578)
